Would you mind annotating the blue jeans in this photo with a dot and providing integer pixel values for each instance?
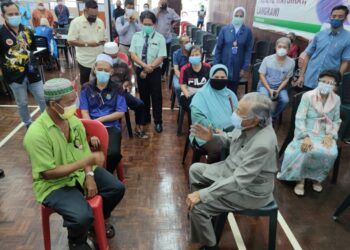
(137, 106)
(177, 88)
(282, 100)
(20, 92)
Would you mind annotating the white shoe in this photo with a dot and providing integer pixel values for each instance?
(299, 189)
(317, 187)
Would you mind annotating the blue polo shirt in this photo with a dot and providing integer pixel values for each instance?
(179, 58)
(101, 103)
(327, 50)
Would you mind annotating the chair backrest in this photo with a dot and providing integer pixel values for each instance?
(207, 36)
(344, 89)
(96, 128)
(208, 47)
(262, 49)
(189, 30)
(193, 33)
(41, 41)
(213, 28)
(209, 26)
(218, 29)
(255, 76)
(62, 31)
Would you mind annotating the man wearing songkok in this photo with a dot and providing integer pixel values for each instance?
(64, 170)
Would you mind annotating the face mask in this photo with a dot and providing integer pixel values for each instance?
(188, 46)
(68, 111)
(195, 60)
(237, 20)
(129, 12)
(336, 23)
(164, 6)
(145, 8)
(102, 77)
(147, 29)
(281, 52)
(41, 7)
(218, 84)
(236, 121)
(91, 19)
(14, 21)
(324, 88)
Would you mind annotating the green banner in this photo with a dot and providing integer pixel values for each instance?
(307, 27)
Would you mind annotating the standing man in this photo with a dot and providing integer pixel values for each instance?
(17, 62)
(41, 12)
(148, 51)
(330, 49)
(25, 12)
(119, 11)
(62, 14)
(87, 33)
(201, 15)
(167, 18)
(127, 25)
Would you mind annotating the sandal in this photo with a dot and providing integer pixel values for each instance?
(299, 189)
(141, 135)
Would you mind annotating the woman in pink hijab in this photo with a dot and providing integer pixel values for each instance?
(313, 151)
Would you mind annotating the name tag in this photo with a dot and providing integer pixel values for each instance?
(234, 50)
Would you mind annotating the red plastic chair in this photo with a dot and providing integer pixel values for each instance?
(183, 27)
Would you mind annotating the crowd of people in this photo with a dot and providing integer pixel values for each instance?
(62, 162)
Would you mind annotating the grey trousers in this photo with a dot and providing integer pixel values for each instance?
(202, 230)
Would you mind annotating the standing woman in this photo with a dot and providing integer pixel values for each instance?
(148, 50)
(234, 48)
(313, 151)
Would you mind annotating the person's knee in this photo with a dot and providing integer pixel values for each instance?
(195, 169)
(83, 219)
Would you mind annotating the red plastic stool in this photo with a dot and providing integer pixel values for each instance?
(99, 223)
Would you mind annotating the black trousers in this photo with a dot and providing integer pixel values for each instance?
(166, 60)
(113, 154)
(77, 215)
(150, 88)
(185, 102)
(84, 74)
(137, 106)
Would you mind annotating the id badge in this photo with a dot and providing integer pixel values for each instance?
(234, 50)
(31, 68)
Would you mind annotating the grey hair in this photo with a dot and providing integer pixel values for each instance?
(284, 40)
(260, 107)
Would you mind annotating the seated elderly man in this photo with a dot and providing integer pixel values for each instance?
(64, 169)
(101, 99)
(245, 180)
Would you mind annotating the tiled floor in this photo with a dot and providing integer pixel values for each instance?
(153, 215)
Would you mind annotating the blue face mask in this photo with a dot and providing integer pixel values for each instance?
(195, 60)
(188, 46)
(102, 77)
(236, 121)
(14, 21)
(336, 23)
(147, 29)
(324, 88)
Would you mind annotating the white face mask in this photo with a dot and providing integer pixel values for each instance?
(281, 52)
(129, 12)
(41, 7)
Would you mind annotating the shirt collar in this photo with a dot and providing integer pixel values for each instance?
(331, 33)
(248, 134)
(149, 35)
(50, 123)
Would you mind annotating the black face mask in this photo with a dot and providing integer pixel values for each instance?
(91, 19)
(164, 6)
(218, 84)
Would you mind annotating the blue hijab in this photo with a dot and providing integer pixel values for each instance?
(214, 104)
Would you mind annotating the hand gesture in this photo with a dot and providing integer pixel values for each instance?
(96, 158)
(192, 200)
(300, 82)
(306, 145)
(90, 187)
(201, 132)
(143, 75)
(148, 68)
(95, 142)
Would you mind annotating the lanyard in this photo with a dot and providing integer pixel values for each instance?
(13, 34)
(231, 104)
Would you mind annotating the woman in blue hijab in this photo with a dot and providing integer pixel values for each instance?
(212, 106)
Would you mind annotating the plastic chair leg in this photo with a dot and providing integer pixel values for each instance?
(180, 121)
(345, 204)
(45, 220)
(120, 172)
(273, 230)
(99, 223)
(173, 97)
(185, 150)
(336, 167)
(128, 124)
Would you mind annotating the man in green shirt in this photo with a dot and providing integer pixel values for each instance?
(148, 49)
(63, 166)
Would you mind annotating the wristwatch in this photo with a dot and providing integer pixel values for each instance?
(90, 173)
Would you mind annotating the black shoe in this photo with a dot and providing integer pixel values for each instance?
(84, 246)
(347, 140)
(158, 128)
(2, 173)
